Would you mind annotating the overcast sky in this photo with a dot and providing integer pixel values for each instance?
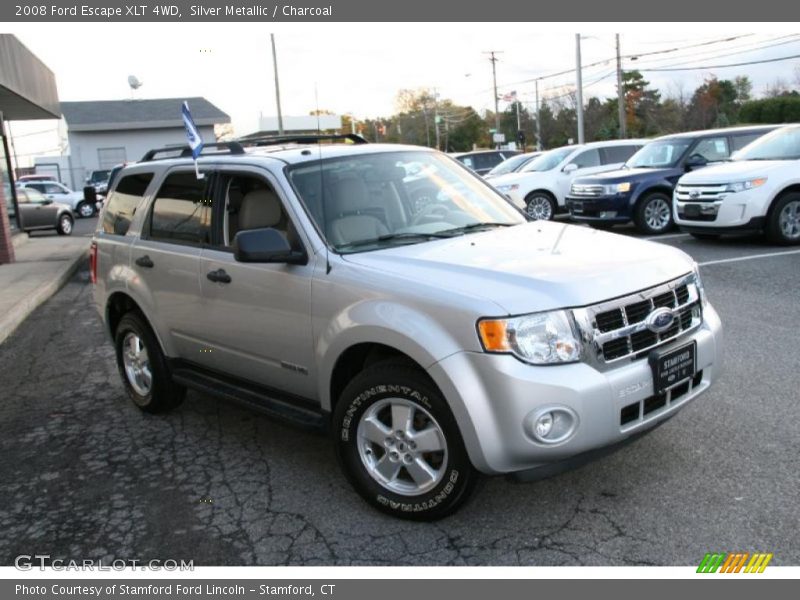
(359, 68)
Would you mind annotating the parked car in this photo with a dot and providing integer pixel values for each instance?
(512, 165)
(433, 344)
(483, 161)
(759, 190)
(38, 212)
(540, 187)
(35, 177)
(98, 179)
(642, 190)
(58, 192)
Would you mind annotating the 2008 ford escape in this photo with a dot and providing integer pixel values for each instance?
(313, 282)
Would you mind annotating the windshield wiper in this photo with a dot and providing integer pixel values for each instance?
(472, 227)
(410, 236)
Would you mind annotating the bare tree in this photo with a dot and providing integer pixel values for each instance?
(778, 87)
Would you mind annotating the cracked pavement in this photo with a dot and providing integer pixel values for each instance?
(85, 474)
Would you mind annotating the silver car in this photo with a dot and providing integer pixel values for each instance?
(434, 341)
(38, 212)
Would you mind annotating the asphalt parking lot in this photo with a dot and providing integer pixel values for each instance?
(84, 474)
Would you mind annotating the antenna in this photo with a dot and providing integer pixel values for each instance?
(134, 83)
(322, 185)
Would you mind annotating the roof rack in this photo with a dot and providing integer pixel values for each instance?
(310, 138)
(186, 151)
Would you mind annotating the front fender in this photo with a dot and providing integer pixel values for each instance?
(385, 322)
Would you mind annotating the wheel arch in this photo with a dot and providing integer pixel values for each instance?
(120, 303)
(789, 189)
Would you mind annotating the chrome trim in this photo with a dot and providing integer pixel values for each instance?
(700, 193)
(593, 339)
(586, 190)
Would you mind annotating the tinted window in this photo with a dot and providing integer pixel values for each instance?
(36, 186)
(589, 158)
(181, 211)
(741, 140)
(618, 154)
(712, 149)
(488, 160)
(123, 201)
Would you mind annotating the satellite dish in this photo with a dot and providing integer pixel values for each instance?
(134, 82)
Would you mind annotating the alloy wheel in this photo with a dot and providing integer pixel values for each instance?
(539, 208)
(789, 220)
(137, 364)
(657, 214)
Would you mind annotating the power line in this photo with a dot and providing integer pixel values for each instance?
(739, 64)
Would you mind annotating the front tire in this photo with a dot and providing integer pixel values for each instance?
(143, 367)
(65, 224)
(399, 444)
(540, 206)
(783, 223)
(654, 214)
(86, 209)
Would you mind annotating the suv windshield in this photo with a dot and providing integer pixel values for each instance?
(373, 201)
(781, 144)
(511, 164)
(548, 160)
(659, 155)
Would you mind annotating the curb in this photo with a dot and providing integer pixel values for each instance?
(14, 318)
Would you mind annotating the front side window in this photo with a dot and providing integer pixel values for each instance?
(659, 154)
(123, 202)
(181, 211)
(371, 201)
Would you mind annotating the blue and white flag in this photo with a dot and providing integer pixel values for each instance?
(192, 133)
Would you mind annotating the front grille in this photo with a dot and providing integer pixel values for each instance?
(580, 190)
(699, 193)
(640, 410)
(618, 327)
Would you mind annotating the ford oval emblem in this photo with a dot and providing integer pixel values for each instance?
(659, 320)
(694, 194)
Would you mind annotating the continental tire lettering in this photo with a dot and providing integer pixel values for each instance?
(425, 505)
(374, 391)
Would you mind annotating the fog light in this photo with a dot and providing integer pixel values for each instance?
(607, 214)
(551, 424)
(543, 425)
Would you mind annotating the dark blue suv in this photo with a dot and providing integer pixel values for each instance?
(641, 191)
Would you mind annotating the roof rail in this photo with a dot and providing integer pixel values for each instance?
(186, 151)
(309, 138)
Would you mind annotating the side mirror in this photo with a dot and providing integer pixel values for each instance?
(695, 161)
(570, 168)
(265, 246)
(46, 201)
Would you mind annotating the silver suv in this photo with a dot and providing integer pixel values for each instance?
(436, 338)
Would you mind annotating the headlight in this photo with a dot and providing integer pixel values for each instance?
(540, 339)
(507, 188)
(742, 186)
(699, 282)
(617, 188)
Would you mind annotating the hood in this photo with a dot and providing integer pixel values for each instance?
(620, 175)
(536, 266)
(733, 171)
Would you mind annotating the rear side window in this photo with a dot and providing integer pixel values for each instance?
(589, 158)
(182, 211)
(741, 140)
(712, 149)
(123, 202)
(618, 154)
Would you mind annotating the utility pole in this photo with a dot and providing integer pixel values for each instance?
(538, 130)
(493, 59)
(620, 96)
(277, 86)
(579, 85)
(436, 117)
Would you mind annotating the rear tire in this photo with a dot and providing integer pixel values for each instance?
(653, 214)
(783, 222)
(143, 366)
(399, 444)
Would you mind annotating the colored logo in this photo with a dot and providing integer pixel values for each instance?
(659, 320)
(734, 562)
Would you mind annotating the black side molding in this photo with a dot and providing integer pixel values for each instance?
(297, 411)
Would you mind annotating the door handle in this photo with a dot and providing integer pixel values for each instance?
(218, 276)
(144, 261)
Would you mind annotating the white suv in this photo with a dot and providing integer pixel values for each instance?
(759, 190)
(541, 187)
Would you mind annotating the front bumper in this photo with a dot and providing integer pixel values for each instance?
(742, 211)
(493, 396)
(605, 209)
